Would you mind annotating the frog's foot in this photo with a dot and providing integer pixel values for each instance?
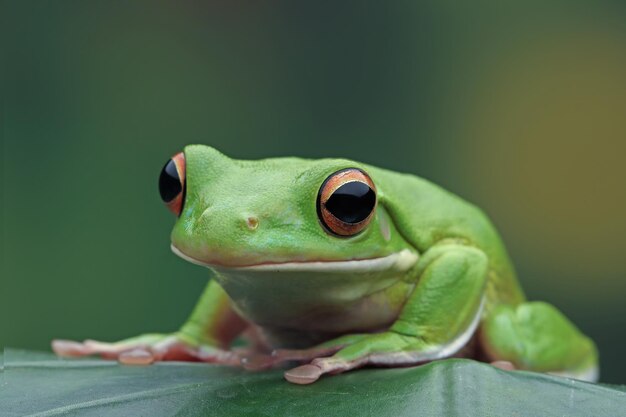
(254, 360)
(504, 365)
(386, 349)
(145, 349)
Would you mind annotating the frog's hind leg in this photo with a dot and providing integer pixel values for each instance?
(535, 336)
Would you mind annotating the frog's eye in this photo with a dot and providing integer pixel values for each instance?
(172, 183)
(346, 202)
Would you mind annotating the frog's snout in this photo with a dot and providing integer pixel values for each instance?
(216, 217)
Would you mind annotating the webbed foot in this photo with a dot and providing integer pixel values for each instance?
(387, 349)
(146, 349)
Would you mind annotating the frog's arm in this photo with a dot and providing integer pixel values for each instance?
(205, 336)
(213, 321)
(438, 319)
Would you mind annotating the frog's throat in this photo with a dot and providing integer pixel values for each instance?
(399, 261)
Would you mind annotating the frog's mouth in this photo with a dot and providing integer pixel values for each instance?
(398, 261)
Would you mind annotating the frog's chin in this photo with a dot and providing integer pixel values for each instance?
(398, 261)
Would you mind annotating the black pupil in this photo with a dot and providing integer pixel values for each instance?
(169, 182)
(352, 202)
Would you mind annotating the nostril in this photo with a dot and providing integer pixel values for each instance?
(252, 223)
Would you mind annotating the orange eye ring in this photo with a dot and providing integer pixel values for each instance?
(172, 185)
(346, 202)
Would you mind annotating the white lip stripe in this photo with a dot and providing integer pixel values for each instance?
(185, 257)
(400, 261)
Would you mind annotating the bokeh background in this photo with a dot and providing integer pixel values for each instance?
(520, 108)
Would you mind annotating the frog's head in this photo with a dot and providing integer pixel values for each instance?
(278, 213)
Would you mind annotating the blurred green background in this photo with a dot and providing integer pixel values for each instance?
(518, 108)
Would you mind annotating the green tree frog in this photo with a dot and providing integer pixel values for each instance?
(335, 264)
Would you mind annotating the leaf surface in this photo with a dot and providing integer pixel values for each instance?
(39, 384)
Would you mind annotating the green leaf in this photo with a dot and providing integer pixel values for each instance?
(40, 384)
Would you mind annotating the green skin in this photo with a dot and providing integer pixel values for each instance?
(428, 278)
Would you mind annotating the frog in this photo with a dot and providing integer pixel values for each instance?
(328, 265)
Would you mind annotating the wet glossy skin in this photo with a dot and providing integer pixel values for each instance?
(418, 278)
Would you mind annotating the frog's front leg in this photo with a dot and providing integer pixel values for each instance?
(438, 319)
(206, 336)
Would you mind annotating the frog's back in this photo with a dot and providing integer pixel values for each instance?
(426, 214)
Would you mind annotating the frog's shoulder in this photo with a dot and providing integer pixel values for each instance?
(430, 211)
(426, 213)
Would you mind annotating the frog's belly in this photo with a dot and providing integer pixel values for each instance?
(301, 309)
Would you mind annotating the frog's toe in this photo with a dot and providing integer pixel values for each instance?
(307, 374)
(303, 375)
(136, 357)
(69, 348)
(283, 355)
(109, 350)
(504, 365)
(210, 354)
(72, 348)
(257, 361)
